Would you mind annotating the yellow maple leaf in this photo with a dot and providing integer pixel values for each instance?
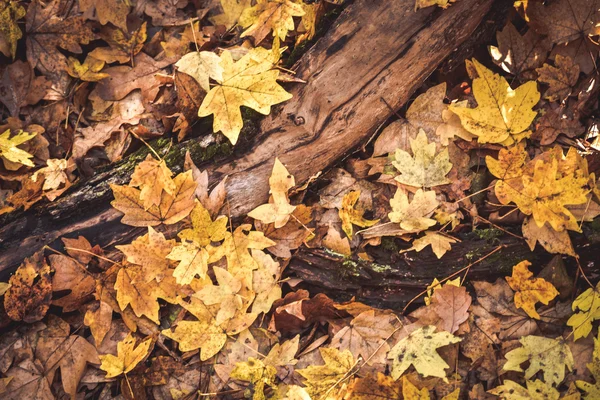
(257, 373)
(529, 290)
(545, 195)
(351, 216)
(171, 209)
(413, 216)
(439, 243)
(265, 282)
(550, 356)
(152, 177)
(10, 33)
(277, 212)
(535, 390)
(225, 294)
(267, 15)
(201, 65)
(128, 356)
(323, 379)
(89, 71)
(10, 151)
(588, 304)
(419, 349)
(236, 249)
(247, 82)
(425, 168)
(509, 163)
(232, 9)
(203, 334)
(502, 114)
(149, 251)
(411, 392)
(132, 290)
(191, 252)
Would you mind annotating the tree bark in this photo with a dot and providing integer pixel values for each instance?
(368, 65)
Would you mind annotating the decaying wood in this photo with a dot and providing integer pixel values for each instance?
(370, 62)
(394, 282)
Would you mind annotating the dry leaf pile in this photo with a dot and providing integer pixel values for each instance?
(200, 306)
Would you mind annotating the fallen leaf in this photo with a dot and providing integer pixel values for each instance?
(51, 27)
(588, 304)
(225, 295)
(554, 123)
(9, 150)
(552, 241)
(270, 15)
(113, 11)
(128, 356)
(89, 71)
(413, 216)
(366, 335)
(191, 252)
(279, 210)
(201, 65)
(149, 251)
(72, 276)
(543, 354)
(265, 282)
(419, 349)
(203, 334)
(54, 348)
(28, 297)
(529, 290)
(232, 9)
(536, 390)
(592, 390)
(560, 79)
(570, 22)
(545, 195)
(19, 87)
(123, 45)
(439, 243)
(321, 379)
(172, 208)
(351, 216)
(153, 177)
(245, 82)
(257, 374)
(503, 115)
(451, 303)
(371, 388)
(425, 168)
(518, 53)
(411, 392)
(10, 33)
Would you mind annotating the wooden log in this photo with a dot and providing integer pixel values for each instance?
(369, 63)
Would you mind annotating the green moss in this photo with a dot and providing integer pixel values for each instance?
(489, 234)
(389, 244)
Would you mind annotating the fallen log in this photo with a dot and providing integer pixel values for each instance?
(368, 65)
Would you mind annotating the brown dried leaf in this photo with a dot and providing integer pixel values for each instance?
(516, 53)
(560, 79)
(29, 295)
(72, 276)
(19, 87)
(172, 208)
